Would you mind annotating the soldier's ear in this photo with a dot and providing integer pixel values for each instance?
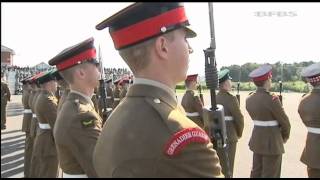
(161, 47)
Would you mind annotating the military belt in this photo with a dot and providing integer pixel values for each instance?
(194, 114)
(228, 118)
(116, 99)
(313, 130)
(27, 111)
(65, 175)
(34, 115)
(265, 123)
(44, 126)
(108, 97)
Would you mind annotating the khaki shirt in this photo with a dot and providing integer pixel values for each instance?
(109, 97)
(116, 98)
(34, 122)
(147, 136)
(231, 108)
(63, 98)
(310, 115)
(264, 106)
(123, 94)
(5, 93)
(27, 117)
(76, 131)
(46, 111)
(193, 104)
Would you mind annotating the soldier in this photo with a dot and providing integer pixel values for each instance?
(233, 118)
(5, 97)
(44, 150)
(271, 126)
(310, 115)
(116, 93)
(95, 100)
(27, 117)
(34, 124)
(109, 97)
(64, 88)
(78, 125)
(29, 145)
(124, 84)
(191, 101)
(148, 135)
(109, 94)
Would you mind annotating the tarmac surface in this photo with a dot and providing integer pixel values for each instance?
(13, 140)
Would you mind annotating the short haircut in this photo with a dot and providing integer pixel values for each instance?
(67, 74)
(137, 57)
(259, 83)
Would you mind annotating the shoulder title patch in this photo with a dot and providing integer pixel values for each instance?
(274, 97)
(184, 137)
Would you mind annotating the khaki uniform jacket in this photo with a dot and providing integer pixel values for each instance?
(27, 117)
(34, 122)
(63, 99)
(109, 97)
(310, 115)
(264, 106)
(193, 104)
(44, 146)
(135, 140)
(95, 101)
(116, 98)
(5, 93)
(123, 94)
(76, 131)
(231, 108)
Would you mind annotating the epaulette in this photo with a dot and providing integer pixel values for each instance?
(53, 99)
(274, 96)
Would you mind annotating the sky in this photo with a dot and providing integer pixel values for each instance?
(244, 32)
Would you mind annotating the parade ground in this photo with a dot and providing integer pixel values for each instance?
(12, 140)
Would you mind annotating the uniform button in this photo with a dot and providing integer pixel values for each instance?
(157, 101)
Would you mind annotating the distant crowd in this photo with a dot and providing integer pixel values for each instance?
(25, 72)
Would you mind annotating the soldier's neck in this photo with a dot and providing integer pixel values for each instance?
(154, 83)
(316, 87)
(82, 89)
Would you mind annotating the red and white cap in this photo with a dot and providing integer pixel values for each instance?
(312, 73)
(142, 21)
(262, 73)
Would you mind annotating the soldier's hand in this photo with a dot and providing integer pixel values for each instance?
(285, 140)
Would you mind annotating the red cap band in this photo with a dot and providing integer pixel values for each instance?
(86, 55)
(314, 79)
(147, 28)
(263, 77)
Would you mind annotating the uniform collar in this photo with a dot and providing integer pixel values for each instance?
(156, 84)
(223, 91)
(190, 91)
(87, 98)
(261, 89)
(316, 90)
(154, 92)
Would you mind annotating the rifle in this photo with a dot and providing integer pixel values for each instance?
(102, 89)
(280, 84)
(238, 86)
(280, 91)
(214, 116)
